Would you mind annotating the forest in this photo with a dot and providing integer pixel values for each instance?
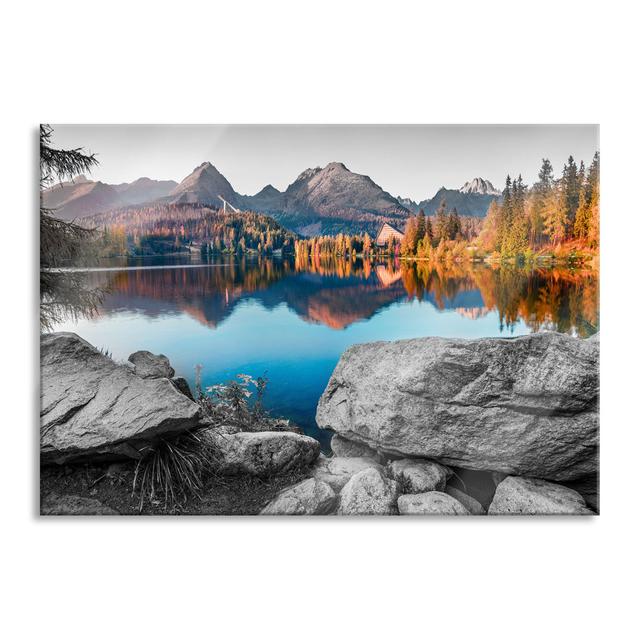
(556, 218)
(174, 228)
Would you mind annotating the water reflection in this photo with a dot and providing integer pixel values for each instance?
(339, 293)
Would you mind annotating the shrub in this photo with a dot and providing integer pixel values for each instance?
(237, 402)
(173, 470)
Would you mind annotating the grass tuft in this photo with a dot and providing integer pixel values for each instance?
(173, 470)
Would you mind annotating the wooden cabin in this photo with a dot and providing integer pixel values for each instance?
(386, 233)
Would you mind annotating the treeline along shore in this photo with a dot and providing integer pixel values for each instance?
(555, 219)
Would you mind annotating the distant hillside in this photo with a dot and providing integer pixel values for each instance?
(82, 197)
(467, 204)
(170, 227)
(144, 190)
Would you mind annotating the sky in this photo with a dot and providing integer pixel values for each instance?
(406, 160)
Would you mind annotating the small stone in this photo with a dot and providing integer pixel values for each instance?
(336, 472)
(530, 496)
(307, 498)
(432, 503)
(183, 387)
(419, 476)
(149, 365)
(369, 493)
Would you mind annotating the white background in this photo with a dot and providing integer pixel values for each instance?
(475, 62)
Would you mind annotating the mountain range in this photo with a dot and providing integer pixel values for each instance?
(81, 197)
(326, 200)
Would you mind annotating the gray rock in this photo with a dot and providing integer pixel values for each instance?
(470, 503)
(263, 453)
(93, 408)
(149, 365)
(529, 496)
(418, 476)
(183, 387)
(369, 493)
(307, 498)
(344, 448)
(432, 503)
(68, 505)
(525, 406)
(336, 472)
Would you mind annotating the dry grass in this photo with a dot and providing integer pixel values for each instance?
(173, 470)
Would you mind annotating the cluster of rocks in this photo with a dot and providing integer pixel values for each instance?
(524, 409)
(96, 410)
(406, 416)
(359, 485)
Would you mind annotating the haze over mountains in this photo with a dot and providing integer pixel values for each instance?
(326, 200)
(83, 197)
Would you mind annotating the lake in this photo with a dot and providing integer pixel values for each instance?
(290, 319)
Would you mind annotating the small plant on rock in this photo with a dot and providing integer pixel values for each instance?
(239, 403)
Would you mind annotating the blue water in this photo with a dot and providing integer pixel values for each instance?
(286, 321)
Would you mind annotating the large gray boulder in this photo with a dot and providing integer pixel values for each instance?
(148, 365)
(93, 408)
(369, 493)
(418, 476)
(307, 498)
(432, 503)
(525, 406)
(336, 472)
(530, 496)
(262, 453)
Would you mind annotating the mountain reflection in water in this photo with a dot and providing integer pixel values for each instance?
(293, 319)
(338, 293)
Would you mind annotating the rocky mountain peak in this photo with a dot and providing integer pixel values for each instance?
(481, 186)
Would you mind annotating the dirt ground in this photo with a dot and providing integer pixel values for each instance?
(111, 484)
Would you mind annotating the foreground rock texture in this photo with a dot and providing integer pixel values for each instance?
(418, 476)
(263, 453)
(93, 408)
(432, 503)
(336, 472)
(369, 493)
(528, 496)
(307, 498)
(344, 448)
(524, 406)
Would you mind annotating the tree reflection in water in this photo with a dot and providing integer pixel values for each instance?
(338, 292)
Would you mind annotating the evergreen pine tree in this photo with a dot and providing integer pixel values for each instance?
(61, 241)
(570, 193)
(441, 222)
(504, 217)
(429, 233)
(541, 193)
(421, 227)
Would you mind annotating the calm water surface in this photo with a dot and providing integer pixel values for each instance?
(292, 320)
